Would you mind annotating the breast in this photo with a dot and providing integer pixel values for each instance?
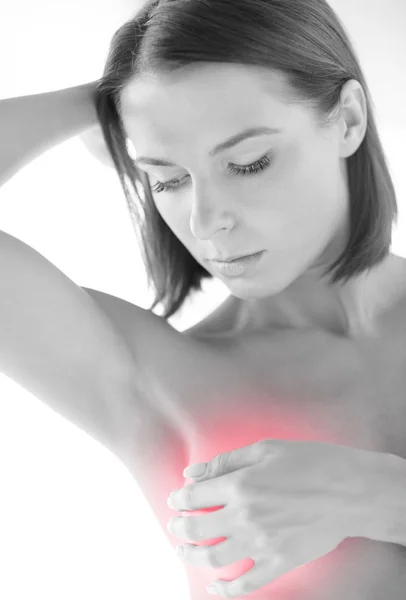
(308, 388)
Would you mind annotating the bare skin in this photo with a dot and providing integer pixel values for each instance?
(294, 383)
(287, 355)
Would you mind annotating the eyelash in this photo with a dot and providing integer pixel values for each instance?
(260, 165)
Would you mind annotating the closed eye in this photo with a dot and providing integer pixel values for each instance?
(260, 165)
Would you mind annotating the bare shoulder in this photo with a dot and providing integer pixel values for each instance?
(152, 339)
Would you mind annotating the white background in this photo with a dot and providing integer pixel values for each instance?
(73, 523)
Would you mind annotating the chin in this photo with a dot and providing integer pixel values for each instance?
(259, 288)
(254, 292)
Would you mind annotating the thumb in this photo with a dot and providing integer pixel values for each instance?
(227, 462)
(195, 471)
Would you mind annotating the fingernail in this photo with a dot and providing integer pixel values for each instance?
(195, 470)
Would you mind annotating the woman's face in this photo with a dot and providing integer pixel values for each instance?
(294, 208)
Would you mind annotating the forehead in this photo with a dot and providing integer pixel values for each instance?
(213, 94)
(206, 79)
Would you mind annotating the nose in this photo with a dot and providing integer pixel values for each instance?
(208, 216)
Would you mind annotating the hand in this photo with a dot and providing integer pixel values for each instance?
(285, 504)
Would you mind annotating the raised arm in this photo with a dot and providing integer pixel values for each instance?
(31, 125)
(55, 340)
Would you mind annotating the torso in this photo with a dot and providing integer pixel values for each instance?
(296, 384)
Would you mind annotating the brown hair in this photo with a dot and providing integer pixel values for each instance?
(303, 39)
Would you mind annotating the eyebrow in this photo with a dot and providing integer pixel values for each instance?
(233, 141)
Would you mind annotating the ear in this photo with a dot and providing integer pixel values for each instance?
(94, 141)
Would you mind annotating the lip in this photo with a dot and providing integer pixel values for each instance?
(235, 259)
(239, 267)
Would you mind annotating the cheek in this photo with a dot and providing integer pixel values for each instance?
(166, 211)
(310, 187)
(298, 212)
(177, 220)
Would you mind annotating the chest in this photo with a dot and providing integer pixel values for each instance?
(308, 386)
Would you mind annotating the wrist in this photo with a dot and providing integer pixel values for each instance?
(83, 98)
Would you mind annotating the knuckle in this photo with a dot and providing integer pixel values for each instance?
(239, 484)
(190, 528)
(279, 561)
(220, 462)
(212, 557)
(263, 447)
(262, 540)
(245, 515)
(212, 466)
(245, 587)
(188, 496)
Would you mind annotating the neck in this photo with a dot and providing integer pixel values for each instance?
(353, 309)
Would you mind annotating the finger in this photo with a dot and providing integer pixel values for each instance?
(260, 575)
(217, 555)
(239, 458)
(200, 528)
(204, 494)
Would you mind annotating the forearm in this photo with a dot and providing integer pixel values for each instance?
(31, 125)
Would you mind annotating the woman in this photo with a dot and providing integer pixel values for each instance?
(309, 347)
